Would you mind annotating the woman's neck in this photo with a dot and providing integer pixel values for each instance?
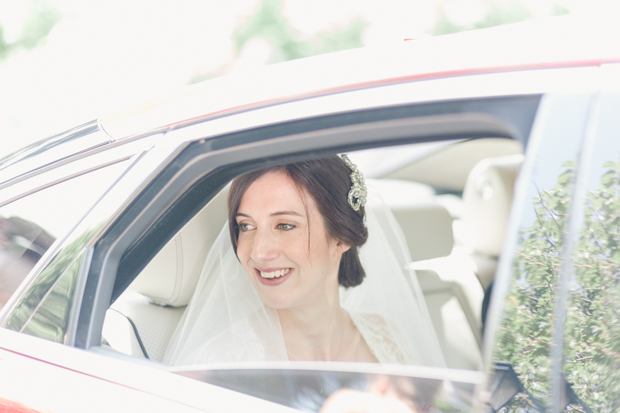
(314, 332)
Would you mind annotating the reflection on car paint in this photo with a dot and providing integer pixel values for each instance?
(331, 391)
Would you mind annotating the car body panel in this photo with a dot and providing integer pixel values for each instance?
(531, 45)
(43, 154)
(71, 380)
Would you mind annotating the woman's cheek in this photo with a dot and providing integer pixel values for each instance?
(244, 246)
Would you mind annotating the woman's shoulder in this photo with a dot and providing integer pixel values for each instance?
(384, 337)
(243, 341)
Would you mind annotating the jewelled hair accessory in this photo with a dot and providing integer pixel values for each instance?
(357, 194)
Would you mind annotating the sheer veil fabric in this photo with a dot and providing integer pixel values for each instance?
(226, 321)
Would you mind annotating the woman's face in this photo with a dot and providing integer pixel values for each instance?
(284, 245)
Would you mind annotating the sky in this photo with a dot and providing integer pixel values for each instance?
(105, 56)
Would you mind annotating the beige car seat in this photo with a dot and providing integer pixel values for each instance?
(141, 322)
(487, 201)
(451, 290)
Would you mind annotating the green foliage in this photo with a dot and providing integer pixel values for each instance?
(39, 22)
(269, 23)
(499, 13)
(592, 329)
(525, 336)
(592, 349)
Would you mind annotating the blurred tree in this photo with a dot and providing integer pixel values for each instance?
(270, 24)
(592, 328)
(40, 18)
(498, 13)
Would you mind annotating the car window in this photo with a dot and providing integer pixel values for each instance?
(431, 218)
(522, 348)
(143, 320)
(592, 335)
(50, 317)
(151, 291)
(30, 225)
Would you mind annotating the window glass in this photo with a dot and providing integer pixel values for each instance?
(522, 343)
(51, 315)
(592, 334)
(30, 225)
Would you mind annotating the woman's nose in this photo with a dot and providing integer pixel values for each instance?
(264, 248)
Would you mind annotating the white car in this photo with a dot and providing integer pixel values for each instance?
(497, 150)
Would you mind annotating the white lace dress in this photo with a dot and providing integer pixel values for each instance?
(385, 339)
(242, 343)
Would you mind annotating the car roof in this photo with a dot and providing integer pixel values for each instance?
(565, 41)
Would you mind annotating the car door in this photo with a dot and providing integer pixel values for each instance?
(208, 159)
(185, 169)
(43, 258)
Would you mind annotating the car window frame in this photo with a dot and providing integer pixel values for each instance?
(272, 144)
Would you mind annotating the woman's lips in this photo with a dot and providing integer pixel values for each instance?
(274, 276)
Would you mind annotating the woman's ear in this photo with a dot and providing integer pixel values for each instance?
(342, 247)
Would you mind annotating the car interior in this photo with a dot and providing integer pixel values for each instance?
(452, 200)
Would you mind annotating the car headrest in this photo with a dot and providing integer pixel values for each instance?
(487, 199)
(171, 277)
(427, 228)
(426, 224)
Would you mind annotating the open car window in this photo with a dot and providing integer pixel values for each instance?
(440, 214)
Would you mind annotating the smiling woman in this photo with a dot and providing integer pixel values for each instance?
(300, 292)
(296, 246)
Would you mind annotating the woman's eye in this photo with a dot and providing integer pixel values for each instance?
(245, 227)
(286, 227)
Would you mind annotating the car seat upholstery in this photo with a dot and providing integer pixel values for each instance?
(426, 224)
(454, 285)
(451, 290)
(487, 199)
(141, 322)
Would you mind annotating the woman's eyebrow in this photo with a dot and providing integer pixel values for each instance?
(297, 214)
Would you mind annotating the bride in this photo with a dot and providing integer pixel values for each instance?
(303, 278)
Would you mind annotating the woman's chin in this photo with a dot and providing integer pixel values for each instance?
(278, 300)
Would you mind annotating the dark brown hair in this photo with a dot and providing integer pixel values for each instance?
(328, 182)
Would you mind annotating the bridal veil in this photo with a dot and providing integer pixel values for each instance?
(226, 321)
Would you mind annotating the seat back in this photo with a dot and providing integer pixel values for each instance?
(445, 279)
(153, 304)
(487, 200)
